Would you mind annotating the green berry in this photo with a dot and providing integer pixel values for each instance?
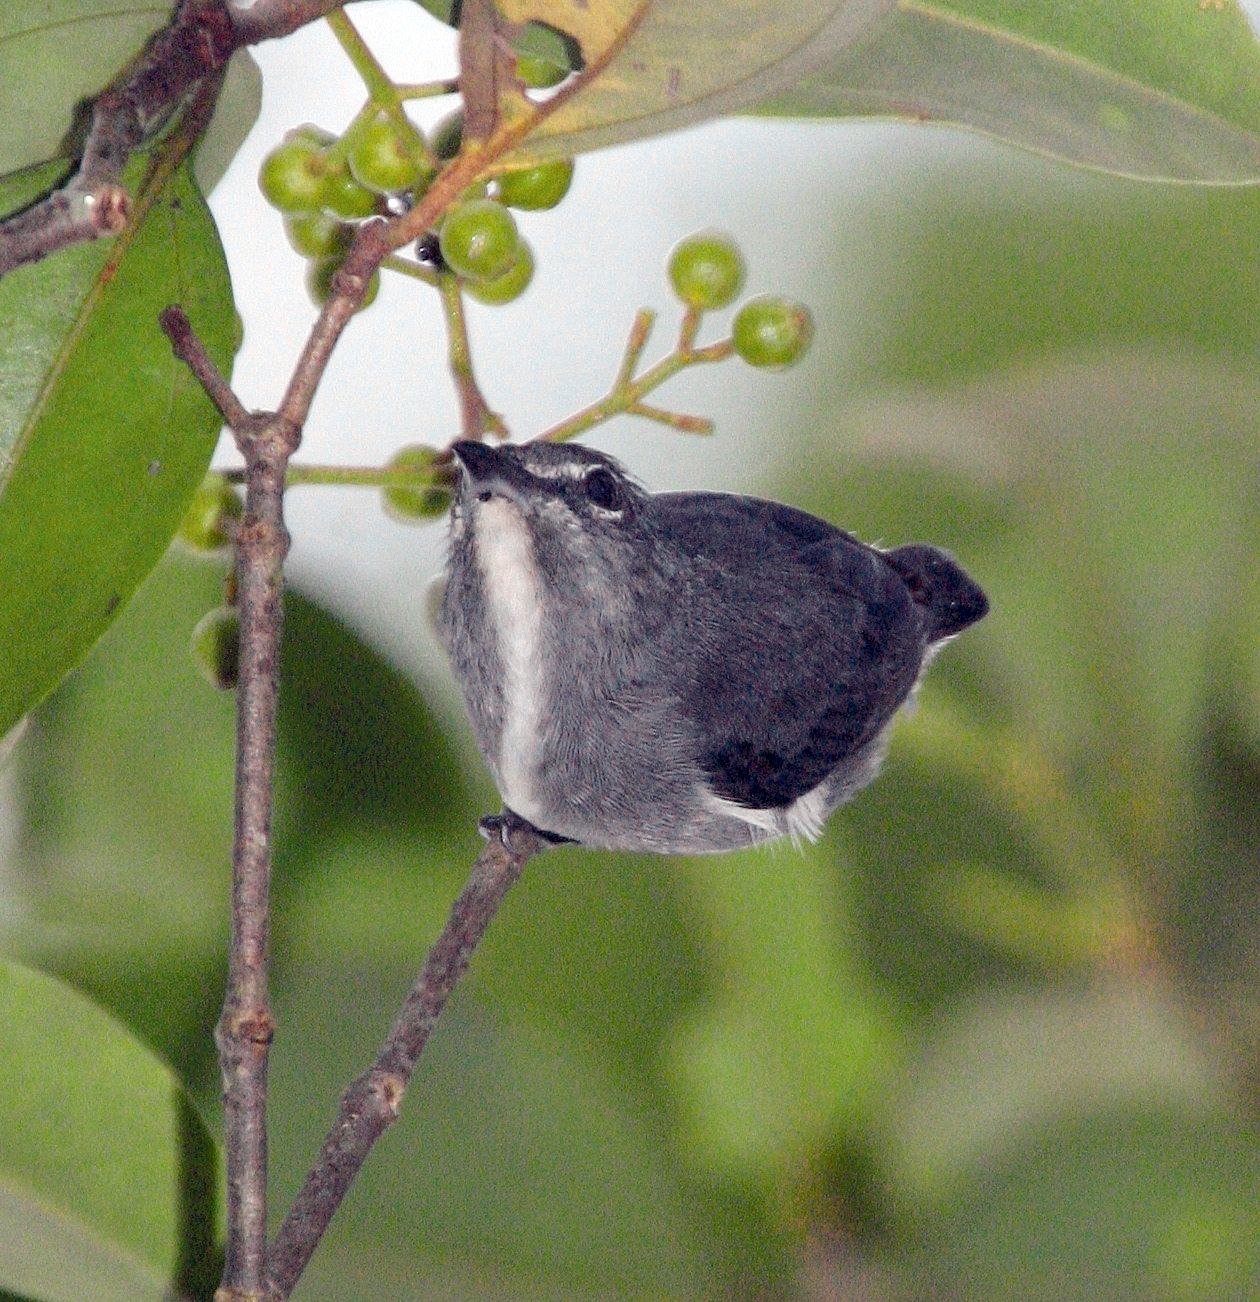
(386, 158)
(319, 282)
(344, 196)
(215, 647)
(292, 176)
(448, 135)
(538, 73)
(424, 499)
(318, 234)
(536, 188)
(509, 286)
(707, 270)
(479, 240)
(312, 134)
(772, 332)
(204, 527)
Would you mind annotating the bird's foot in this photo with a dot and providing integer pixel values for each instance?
(507, 824)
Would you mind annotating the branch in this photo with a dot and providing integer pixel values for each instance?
(195, 46)
(246, 1026)
(372, 1102)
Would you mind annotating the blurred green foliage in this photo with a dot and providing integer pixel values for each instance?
(995, 1037)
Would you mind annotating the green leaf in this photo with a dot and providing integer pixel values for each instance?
(1003, 1064)
(1120, 1203)
(787, 1053)
(108, 1177)
(103, 434)
(70, 50)
(1161, 89)
(240, 102)
(73, 49)
(515, 1159)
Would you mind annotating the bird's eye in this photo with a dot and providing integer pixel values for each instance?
(602, 489)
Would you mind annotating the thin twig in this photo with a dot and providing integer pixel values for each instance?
(475, 414)
(246, 1026)
(481, 68)
(372, 1102)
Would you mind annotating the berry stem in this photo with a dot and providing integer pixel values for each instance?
(427, 89)
(644, 320)
(377, 81)
(382, 93)
(350, 477)
(688, 329)
(627, 394)
(477, 418)
(678, 420)
(406, 267)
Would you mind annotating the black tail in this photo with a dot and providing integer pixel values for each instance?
(951, 599)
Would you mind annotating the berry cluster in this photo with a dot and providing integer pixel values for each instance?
(324, 184)
(478, 239)
(707, 273)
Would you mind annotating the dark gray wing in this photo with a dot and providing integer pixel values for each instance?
(798, 644)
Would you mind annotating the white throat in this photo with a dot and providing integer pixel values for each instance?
(505, 557)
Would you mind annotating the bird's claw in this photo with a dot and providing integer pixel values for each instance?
(508, 824)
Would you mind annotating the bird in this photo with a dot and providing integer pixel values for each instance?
(681, 672)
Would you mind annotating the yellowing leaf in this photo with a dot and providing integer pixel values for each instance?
(1165, 89)
(664, 64)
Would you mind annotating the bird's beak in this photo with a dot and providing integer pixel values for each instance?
(492, 472)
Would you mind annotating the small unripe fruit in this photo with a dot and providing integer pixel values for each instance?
(707, 270)
(318, 234)
(447, 135)
(539, 73)
(293, 175)
(507, 287)
(319, 282)
(423, 500)
(215, 647)
(772, 332)
(312, 134)
(207, 521)
(344, 196)
(479, 240)
(537, 188)
(385, 158)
